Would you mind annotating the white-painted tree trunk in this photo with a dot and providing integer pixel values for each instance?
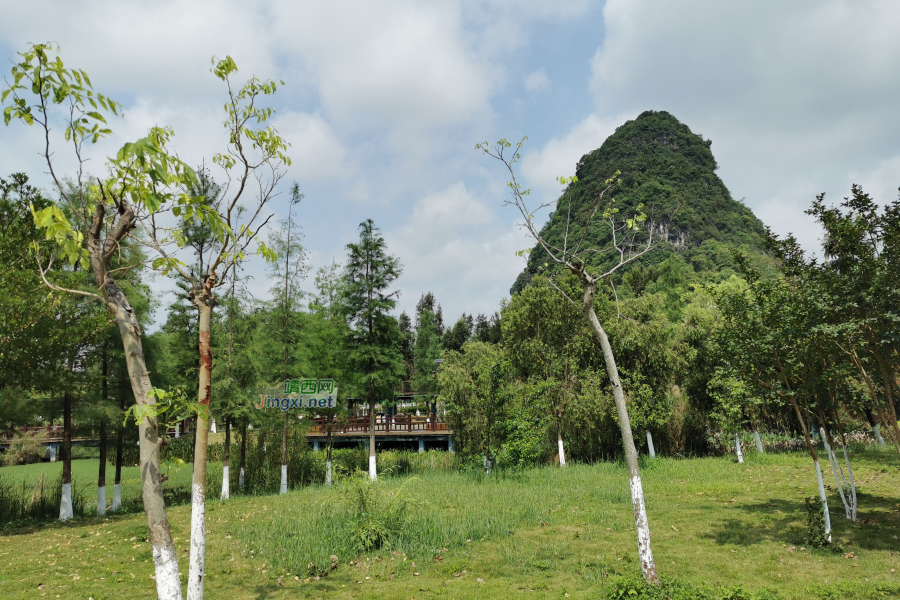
(213, 427)
(759, 446)
(328, 472)
(226, 489)
(241, 477)
(650, 445)
(824, 500)
(877, 430)
(283, 489)
(168, 584)
(488, 464)
(101, 501)
(117, 497)
(177, 430)
(562, 453)
(373, 470)
(853, 502)
(737, 448)
(196, 568)
(641, 523)
(848, 496)
(65, 503)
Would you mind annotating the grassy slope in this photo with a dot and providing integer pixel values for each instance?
(554, 531)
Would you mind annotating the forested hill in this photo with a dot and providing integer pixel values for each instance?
(664, 165)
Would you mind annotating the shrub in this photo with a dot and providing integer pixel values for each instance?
(378, 514)
(26, 448)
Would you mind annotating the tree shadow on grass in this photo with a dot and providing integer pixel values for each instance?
(784, 521)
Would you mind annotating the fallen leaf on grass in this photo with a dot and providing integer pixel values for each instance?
(674, 528)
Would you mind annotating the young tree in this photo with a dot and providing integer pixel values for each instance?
(144, 179)
(254, 156)
(327, 334)
(293, 264)
(374, 337)
(630, 238)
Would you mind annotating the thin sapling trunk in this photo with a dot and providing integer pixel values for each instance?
(101, 477)
(197, 559)
(226, 483)
(243, 454)
(65, 501)
(373, 467)
(120, 448)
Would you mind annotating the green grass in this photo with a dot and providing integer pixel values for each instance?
(543, 532)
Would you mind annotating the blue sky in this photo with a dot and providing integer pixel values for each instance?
(384, 102)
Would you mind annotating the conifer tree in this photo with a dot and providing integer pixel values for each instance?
(374, 336)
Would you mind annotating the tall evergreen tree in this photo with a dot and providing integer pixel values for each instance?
(374, 336)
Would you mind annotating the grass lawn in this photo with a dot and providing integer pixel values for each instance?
(542, 533)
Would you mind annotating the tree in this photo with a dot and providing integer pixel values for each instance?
(292, 266)
(144, 179)
(473, 390)
(374, 337)
(255, 153)
(326, 334)
(455, 337)
(631, 237)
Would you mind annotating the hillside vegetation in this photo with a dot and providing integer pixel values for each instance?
(671, 171)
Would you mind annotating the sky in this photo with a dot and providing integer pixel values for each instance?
(383, 103)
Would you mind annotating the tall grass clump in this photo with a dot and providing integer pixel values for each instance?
(23, 499)
(424, 515)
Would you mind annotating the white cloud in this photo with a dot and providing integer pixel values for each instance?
(559, 155)
(453, 246)
(796, 96)
(316, 152)
(536, 81)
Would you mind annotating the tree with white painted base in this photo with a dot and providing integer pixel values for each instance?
(632, 236)
(373, 339)
(254, 157)
(144, 179)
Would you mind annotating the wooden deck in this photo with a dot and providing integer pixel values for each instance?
(399, 425)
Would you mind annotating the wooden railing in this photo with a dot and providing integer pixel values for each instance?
(396, 424)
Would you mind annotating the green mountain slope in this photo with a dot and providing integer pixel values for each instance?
(671, 170)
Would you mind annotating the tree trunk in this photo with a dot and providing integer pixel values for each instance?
(120, 447)
(284, 455)
(329, 444)
(226, 483)
(645, 553)
(875, 428)
(759, 446)
(815, 457)
(165, 560)
(650, 447)
(888, 394)
(737, 448)
(373, 470)
(101, 478)
(243, 454)
(197, 560)
(104, 395)
(836, 471)
(65, 502)
(559, 442)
